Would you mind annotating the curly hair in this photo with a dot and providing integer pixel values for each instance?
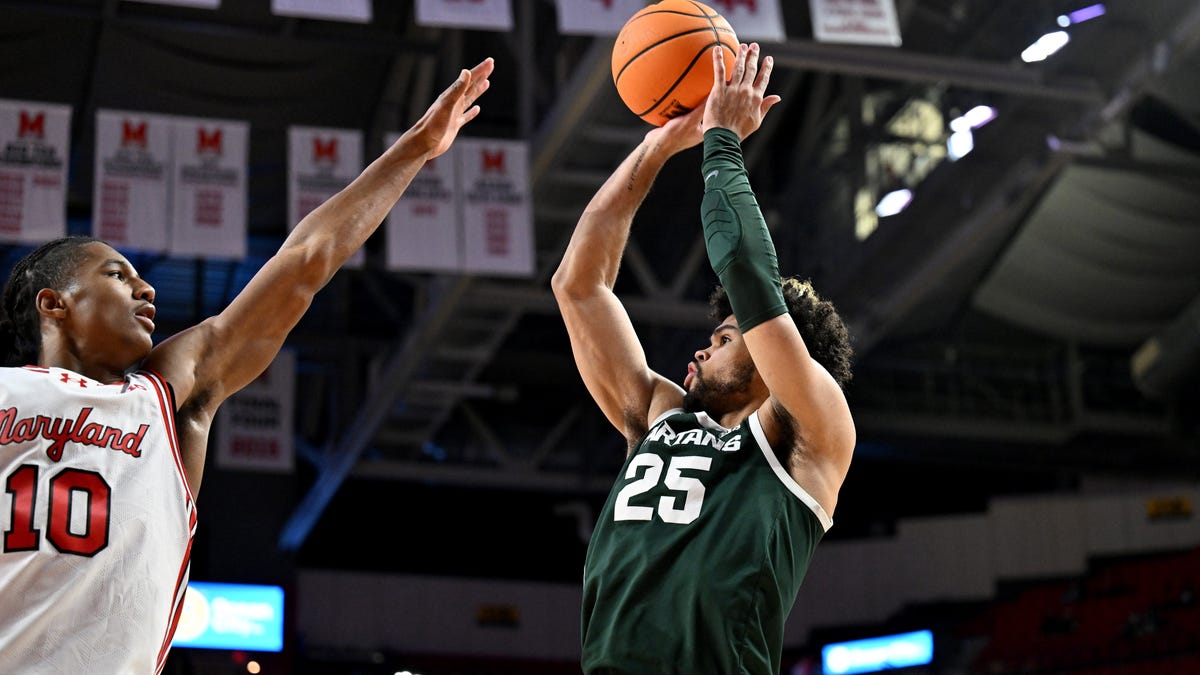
(51, 265)
(820, 325)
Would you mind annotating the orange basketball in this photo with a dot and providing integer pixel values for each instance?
(661, 62)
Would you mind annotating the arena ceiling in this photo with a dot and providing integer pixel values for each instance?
(1033, 315)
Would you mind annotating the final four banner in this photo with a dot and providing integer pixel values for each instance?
(424, 227)
(209, 188)
(131, 191)
(255, 426)
(753, 20)
(34, 147)
(321, 161)
(356, 11)
(595, 17)
(864, 22)
(497, 218)
(483, 14)
(466, 211)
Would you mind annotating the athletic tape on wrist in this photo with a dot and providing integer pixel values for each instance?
(739, 245)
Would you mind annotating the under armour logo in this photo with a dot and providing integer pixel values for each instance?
(67, 379)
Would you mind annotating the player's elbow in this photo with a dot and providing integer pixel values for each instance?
(567, 285)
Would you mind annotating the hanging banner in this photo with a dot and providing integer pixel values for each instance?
(131, 189)
(202, 4)
(753, 20)
(255, 426)
(357, 11)
(424, 227)
(34, 147)
(595, 17)
(484, 14)
(867, 22)
(497, 219)
(209, 176)
(321, 162)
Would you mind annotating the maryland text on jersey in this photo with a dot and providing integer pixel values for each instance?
(61, 430)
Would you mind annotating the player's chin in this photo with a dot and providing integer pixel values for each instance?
(140, 345)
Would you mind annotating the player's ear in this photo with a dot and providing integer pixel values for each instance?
(50, 303)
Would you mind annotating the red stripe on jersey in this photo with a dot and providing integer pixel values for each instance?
(177, 607)
(166, 402)
(167, 409)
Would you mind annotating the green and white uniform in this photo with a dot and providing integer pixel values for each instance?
(698, 554)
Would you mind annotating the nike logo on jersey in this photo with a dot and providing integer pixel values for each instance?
(711, 174)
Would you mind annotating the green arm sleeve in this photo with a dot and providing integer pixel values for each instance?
(735, 233)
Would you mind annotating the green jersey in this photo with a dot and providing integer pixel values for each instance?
(698, 554)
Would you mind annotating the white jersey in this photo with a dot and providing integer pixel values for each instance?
(96, 523)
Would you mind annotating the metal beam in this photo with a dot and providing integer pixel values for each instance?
(896, 64)
(395, 376)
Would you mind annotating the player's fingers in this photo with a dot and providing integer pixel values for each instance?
(764, 74)
(719, 75)
(739, 65)
(752, 64)
(476, 90)
(768, 103)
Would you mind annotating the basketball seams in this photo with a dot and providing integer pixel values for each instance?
(669, 38)
(682, 76)
(644, 77)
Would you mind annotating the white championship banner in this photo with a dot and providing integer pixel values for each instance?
(132, 182)
(34, 149)
(256, 425)
(321, 162)
(497, 219)
(424, 228)
(595, 17)
(483, 14)
(753, 20)
(200, 4)
(866, 22)
(356, 11)
(209, 188)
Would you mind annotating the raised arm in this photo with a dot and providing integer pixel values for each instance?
(610, 359)
(743, 256)
(219, 356)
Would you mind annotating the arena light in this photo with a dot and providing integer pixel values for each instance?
(959, 144)
(893, 202)
(1081, 15)
(880, 653)
(979, 116)
(1045, 46)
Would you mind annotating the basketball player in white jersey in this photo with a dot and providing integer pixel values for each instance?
(103, 435)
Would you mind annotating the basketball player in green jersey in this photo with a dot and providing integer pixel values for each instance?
(732, 479)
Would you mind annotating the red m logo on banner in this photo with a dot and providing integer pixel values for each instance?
(493, 161)
(32, 126)
(208, 142)
(326, 150)
(133, 134)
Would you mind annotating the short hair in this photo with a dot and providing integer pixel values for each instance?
(820, 325)
(51, 265)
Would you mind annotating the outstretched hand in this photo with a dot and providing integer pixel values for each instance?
(679, 133)
(737, 100)
(435, 132)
